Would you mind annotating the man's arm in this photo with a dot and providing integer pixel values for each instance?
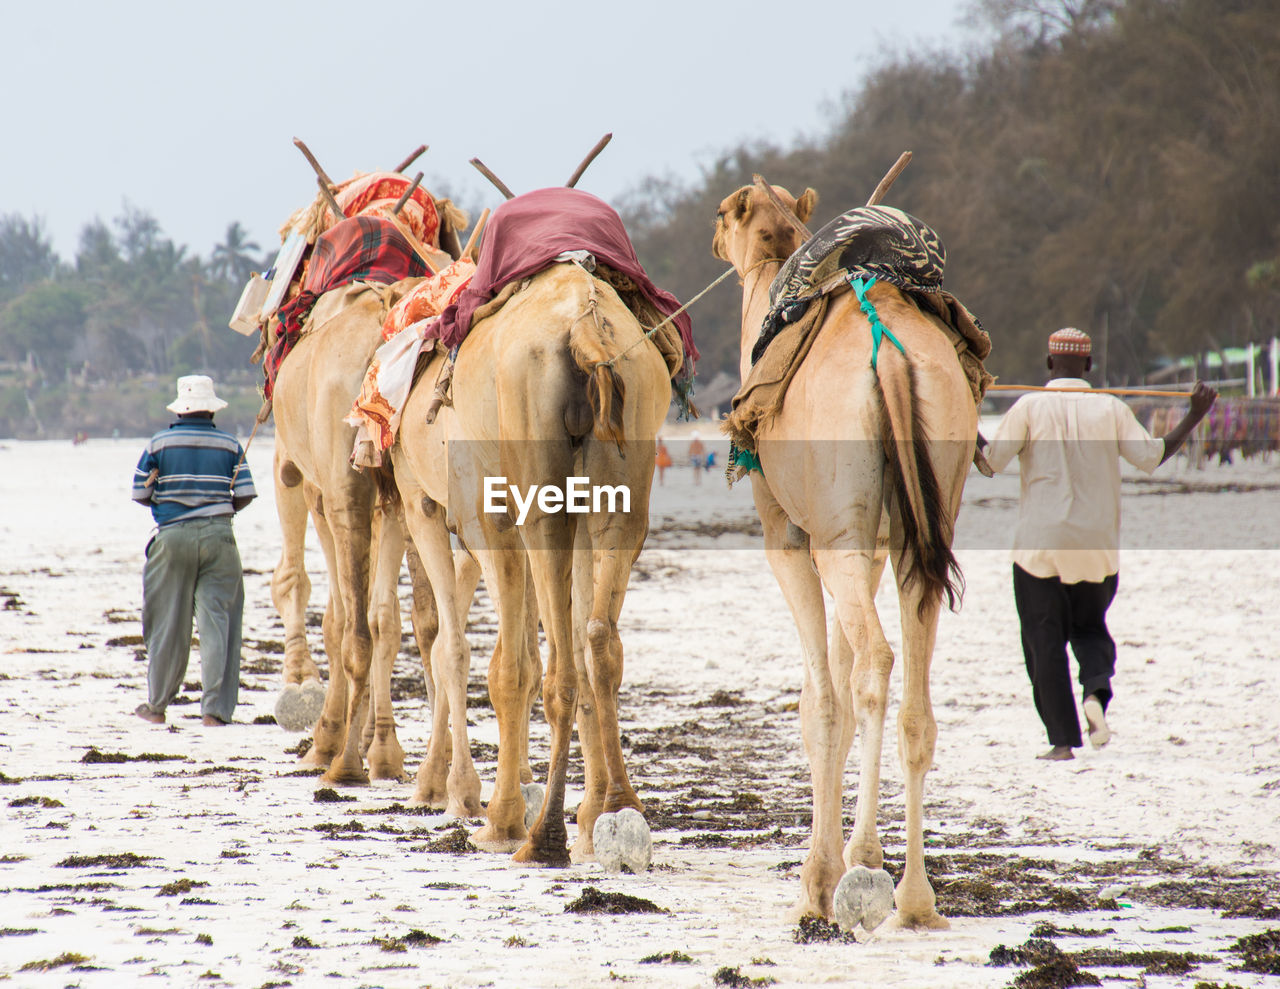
(144, 478)
(1202, 399)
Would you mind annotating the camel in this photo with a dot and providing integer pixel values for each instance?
(363, 540)
(559, 382)
(858, 465)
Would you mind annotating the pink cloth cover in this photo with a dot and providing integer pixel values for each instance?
(527, 232)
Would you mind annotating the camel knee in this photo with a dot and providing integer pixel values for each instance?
(602, 639)
(917, 734)
(871, 682)
(384, 620)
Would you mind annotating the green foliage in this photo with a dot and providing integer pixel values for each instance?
(133, 303)
(26, 254)
(1106, 165)
(45, 322)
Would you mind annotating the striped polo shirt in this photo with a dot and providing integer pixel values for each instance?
(194, 462)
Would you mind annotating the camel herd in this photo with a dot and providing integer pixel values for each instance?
(564, 380)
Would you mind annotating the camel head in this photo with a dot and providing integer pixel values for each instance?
(749, 228)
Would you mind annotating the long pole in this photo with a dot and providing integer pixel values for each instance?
(1095, 391)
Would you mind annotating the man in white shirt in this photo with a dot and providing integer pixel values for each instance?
(1066, 548)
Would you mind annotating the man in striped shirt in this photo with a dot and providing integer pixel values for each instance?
(194, 478)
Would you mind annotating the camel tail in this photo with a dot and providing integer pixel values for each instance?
(590, 344)
(926, 525)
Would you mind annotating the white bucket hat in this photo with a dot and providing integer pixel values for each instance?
(195, 394)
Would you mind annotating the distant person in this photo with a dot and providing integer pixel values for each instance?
(1066, 545)
(697, 456)
(711, 459)
(194, 478)
(662, 461)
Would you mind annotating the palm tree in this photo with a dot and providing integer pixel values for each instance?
(235, 259)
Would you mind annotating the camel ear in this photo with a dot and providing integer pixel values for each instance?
(742, 204)
(805, 205)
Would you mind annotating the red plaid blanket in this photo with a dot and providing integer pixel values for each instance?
(527, 232)
(361, 248)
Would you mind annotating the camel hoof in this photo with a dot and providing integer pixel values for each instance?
(534, 794)
(623, 838)
(490, 839)
(531, 854)
(346, 776)
(300, 707)
(863, 896)
(932, 921)
(431, 797)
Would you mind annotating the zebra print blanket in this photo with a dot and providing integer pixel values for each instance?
(866, 241)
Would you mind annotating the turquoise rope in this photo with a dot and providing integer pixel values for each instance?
(747, 460)
(878, 330)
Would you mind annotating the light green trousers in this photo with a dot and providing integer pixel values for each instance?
(193, 568)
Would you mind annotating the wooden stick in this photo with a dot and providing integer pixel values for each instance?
(790, 216)
(497, 182)
(591, 156)
(1095, 391)
(890, 177)
(306, 152)
(416, 244)
(418, 153)
(474, 239)
(329, 197)
(407, 193)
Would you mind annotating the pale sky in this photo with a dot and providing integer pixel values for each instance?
(188, 112)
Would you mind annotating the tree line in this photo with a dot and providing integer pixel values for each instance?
(1107, 164)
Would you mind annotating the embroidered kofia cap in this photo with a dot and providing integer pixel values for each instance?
(1069, 340)
(195, 394)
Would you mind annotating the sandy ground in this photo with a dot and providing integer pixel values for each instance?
(218, 866)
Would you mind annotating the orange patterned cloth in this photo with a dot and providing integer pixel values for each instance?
(387, 382)
(429, 297)
(376, 193)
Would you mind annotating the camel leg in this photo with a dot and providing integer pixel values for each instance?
(595, 773)
(327, 734)
(616, 541)
(425, 618)
(917, 734)
(551, 561)
(351, 525)
(870, 689)
(451, 665)
(383, 752)
(290, 585)
(458, 790)
(829, 722)
(917, 729)
(509, 670)
(819, 705)
(531, 664)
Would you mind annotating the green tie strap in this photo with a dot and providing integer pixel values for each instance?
(878, 330)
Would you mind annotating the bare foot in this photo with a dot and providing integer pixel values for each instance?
(1058, 753)
(146, 714)
(213, 721)
(1099, 732)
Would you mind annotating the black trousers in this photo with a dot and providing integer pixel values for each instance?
(1052, 615)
